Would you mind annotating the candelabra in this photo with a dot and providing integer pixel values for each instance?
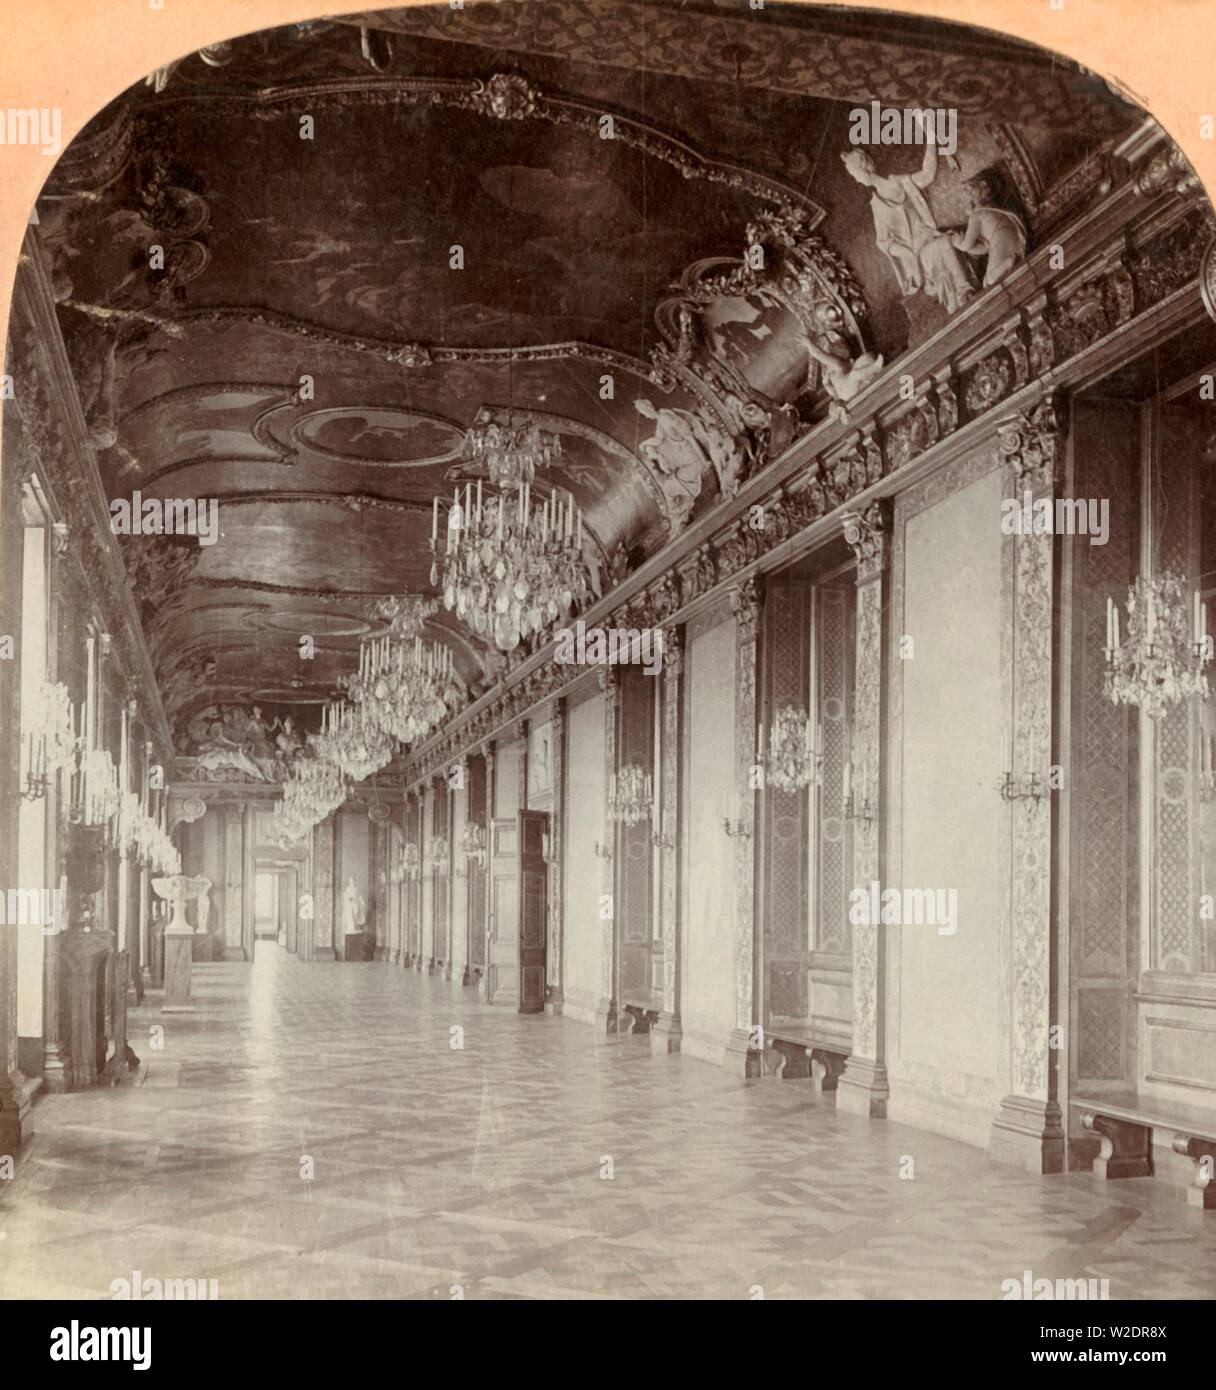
(737, 828)
(437, 861)
(603, 851)
(1027, 786)
(632, 795)
(473, 843)
(795, 757)
(1157, 665)
(510, 568)
(36, 779)
(547, 851)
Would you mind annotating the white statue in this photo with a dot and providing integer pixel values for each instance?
(681, 449)
(354, 909)
(921, 254)
(204, 904)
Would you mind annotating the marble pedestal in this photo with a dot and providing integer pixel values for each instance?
(179, 951)
(177, 890)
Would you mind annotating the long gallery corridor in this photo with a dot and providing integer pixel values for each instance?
(481, 1168)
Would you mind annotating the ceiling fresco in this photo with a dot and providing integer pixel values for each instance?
(291, 270)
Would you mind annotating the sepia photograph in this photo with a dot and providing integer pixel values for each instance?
(607, 620)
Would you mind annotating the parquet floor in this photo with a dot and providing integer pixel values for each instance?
(437, 1169)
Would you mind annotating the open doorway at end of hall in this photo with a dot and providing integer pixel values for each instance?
(274, 892)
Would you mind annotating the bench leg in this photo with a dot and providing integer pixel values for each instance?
(1201, 1192)
(826, 1068)
(1126, 1148)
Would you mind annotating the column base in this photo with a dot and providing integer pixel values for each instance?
(665, 1035)
(605, 1020)
(554, 1002)
(16, 1114)
(235, 953)
(741, 1058)
(324, 953)
(1028, 1134)
(862, 1088)
(54, 1070)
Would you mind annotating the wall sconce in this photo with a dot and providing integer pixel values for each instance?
(863, 812)
(36, 779)
(602, 851)
(661, 841)
(1207, 767)
(473, 845)
(1027, 787)
(547, 851)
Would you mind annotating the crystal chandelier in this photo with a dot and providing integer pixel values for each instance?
(313, 789)
(632, 795)
(510, 567)
(512, 452)
(1161, 659)
(793, 759)
(404, 690)
(351, 742)
(406, 614)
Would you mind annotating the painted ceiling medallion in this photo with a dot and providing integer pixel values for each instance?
(378, 435)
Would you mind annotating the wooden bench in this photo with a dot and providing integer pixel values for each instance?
(1124, 1121)
(796, 1054)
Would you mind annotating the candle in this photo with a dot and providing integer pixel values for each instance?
(435, 522)
(580, 530)
(1110, 624)
(88, 696)
(1116, 617)
(1195, 621)
(478, 501)
(848, 779)
(1152, 616)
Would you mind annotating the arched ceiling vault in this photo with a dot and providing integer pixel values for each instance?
(291, 271)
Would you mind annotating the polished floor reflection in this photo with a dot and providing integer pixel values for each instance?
(528, 1163)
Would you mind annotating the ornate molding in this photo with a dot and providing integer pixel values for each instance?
(1118, 283)
(1031, 444)
(868, 535)
(508, 96)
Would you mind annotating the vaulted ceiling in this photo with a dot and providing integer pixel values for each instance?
(312, 345)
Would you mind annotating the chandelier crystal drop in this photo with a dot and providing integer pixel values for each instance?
(1160, 659)
(406, 614)
(510, 567)
(511, 452)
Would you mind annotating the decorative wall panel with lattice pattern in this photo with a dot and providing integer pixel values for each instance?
(787, 663)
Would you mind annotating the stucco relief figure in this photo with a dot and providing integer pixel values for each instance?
(992, 232)
(681, 449)
(204, 905)
(845, 373)
(676, 453)
(354, 909)
(921, 254)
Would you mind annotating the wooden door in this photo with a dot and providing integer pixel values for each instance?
(502, 970)
(533, 910)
